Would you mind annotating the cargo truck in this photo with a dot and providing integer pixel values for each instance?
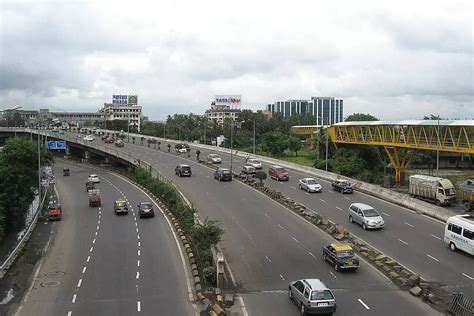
(437, 190)
(94, 198)
(465, 195)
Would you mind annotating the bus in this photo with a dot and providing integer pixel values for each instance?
(459, 233)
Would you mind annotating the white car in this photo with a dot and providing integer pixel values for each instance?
(181, 150)
(310, 185)
(89, 138)
(214, 158)
(254, 163)
(94, 178)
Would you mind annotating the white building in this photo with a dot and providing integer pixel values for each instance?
(131, 113)
(224, 107)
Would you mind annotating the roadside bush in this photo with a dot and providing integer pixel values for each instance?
(210, 275)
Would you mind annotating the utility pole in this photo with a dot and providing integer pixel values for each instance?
(437, 151)
(327, 145)
(254, 135)
(231, 143)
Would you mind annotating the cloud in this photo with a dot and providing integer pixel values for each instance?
(398, 60)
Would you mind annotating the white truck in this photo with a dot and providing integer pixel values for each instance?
(437, 190)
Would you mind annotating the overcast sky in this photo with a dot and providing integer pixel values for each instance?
(401, 60)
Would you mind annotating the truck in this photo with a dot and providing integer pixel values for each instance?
(433, 189)
(94, 198)
(465, 195)
(54, 212)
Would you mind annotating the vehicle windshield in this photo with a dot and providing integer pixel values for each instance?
(322, 295)
(280, 170)
(449, 192)
(312, 181)
(254, 161)
(213, 156)
(121, 203)
(371, 213)
(345, 254)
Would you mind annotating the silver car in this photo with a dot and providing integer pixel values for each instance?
(214, 158)
(312, 296)
(310, 185)
(366, 216)
(254, 163)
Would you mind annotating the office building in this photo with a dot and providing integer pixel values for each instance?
(326, 110)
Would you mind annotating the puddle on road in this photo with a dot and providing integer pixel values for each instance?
(8, 298)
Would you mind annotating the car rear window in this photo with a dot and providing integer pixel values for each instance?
(146, 205)
(225, 171)
(280, 170)
(322, 295)
(120, 203)
(186, 168)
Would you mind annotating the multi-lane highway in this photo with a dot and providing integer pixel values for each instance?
(99, 263)
(267, 246)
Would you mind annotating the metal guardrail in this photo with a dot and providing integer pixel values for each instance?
(13, 255)
(461, 305)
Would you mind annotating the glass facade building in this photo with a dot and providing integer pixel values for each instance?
(326, 110)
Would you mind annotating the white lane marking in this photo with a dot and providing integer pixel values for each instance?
(468, 276)
(363, 304)
(432, 258)
(138, 252)
(281, 276)
(138, 236)
(139, 306)
(266, 215)
(88, 258)
(347, 198)
(92, 248)
(333, 275)
(311, 254)
(69, 313)
(79, 283)
(93, 242)
(408, 224)
(139, 244)
(293, 188)
(136, 229)
(307, 193)
(138, 275)
(96, 233)
(136, 224)
(331, 192)
(322, 200)
(280, 226)
(439, 238)
(98, 222)
(74, 297)
(84, 270)
(138, 263)
(296, 240)
(386, 214)
(268, 259)
(208, 177)
(403, 242)
(97, 227)
(337, 207)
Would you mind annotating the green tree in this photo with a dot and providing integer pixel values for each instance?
(294, 144)
(274, 143)
(357, 117)
(19, 178)
(261, 175)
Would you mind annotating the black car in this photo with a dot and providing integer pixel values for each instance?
(145, 209)
(183, 170)
(223, 174)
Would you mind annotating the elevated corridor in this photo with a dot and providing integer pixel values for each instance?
(267, 246)
(104, 264)
(412, 239)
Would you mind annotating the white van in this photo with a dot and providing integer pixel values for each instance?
(459, 233)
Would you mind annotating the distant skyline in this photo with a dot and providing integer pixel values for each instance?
(397, 60)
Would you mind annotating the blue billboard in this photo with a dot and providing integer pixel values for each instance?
(56, 144)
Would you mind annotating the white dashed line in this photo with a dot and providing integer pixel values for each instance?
(93, 242)
(138, 236)
(97, 227)
(311, 254)
(92, 249)
(293, 188)
(88, 258)
(268, 259)
(347, 198)
(280, 226)
(139, 306)
(403, 242)
(139, 244)
(138, 263)
(84, 270)
(138, 252)
(281, 276)
(436, 237)
(363, 304)
(79, 283)
(322, 200)
(408, 224)
(432, 258)
(386, 214)
(74, 297)
(136, 229)
(468, 276)
(266, 215)
(136, 224)
(333, 275)
(138, 275)
(337, 207)
(69, 313)
(296, 240)
(96, 233)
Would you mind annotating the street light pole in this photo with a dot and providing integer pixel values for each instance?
(128, 127)
(327, 145)
(231, 143)
(254, 136)
(437, 151)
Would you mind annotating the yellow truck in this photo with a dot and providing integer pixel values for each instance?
(465, 195)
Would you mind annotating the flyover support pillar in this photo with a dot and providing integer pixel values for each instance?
(401, 164)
